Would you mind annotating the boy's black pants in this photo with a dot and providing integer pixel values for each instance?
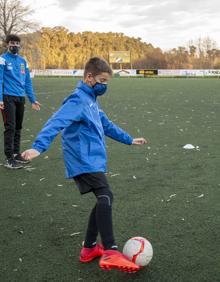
(100, 219)
(13, 114)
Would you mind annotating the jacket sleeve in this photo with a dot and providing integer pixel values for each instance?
(68, 113)
(28, 85)
(113, 131)
(2, 67)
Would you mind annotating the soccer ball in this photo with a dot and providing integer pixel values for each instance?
(139, 250)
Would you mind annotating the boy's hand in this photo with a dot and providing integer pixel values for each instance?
(36, 106)
(139, 141)
(1, 105)
(30, 154)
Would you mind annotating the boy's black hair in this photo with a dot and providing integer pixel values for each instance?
(12, 37)
(96, 66)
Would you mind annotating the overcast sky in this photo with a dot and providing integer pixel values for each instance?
(164, 23)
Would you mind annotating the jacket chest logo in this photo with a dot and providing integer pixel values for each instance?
(9, 66)
(22, 68)
(94, 113)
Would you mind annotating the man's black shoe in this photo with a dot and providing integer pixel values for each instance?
(20, 159)
(12, 164)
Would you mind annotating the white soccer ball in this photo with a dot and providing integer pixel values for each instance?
(139, 250)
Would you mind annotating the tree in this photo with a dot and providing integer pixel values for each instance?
(203, 53)
(13, 17)
(59, 48)
(192, 51)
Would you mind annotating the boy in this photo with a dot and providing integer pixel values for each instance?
(83, 127)
(14, 82)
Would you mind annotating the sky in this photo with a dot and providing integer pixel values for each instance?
(164, 23)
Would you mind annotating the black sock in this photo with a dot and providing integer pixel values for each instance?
(104, 217)
(92, 231)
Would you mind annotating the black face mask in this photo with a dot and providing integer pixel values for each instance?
(14, 49)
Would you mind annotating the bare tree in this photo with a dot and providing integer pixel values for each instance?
(13, 17)
(202, 46)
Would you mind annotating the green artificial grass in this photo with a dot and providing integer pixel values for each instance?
(161, 191)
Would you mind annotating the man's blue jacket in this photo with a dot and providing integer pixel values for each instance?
(83, 127)
(15, 77)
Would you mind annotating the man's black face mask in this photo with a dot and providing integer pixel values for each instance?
(14, 49)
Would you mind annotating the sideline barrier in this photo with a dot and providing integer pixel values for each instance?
(188, 72)
(57, 72)
(132, 73)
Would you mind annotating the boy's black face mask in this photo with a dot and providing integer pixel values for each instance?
(14, 49)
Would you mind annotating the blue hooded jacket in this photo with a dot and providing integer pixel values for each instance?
(15, 77)
(83, 127)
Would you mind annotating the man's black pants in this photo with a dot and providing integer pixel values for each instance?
(13, 114)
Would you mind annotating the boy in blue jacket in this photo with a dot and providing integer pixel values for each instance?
(15, 82)
(84, 127)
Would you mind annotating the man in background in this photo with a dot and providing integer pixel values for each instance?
(15, 83)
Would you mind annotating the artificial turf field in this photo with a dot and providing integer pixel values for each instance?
(161, 191)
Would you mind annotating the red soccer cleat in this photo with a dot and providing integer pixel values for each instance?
(88, 254)
(114, 259)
